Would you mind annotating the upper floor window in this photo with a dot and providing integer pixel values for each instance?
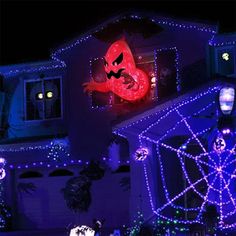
(43, 99)
(159, 66)
(225, 60)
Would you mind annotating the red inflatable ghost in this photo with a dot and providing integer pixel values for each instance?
(123, 77)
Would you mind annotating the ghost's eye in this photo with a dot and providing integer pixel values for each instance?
(105, 62)
(118, 60)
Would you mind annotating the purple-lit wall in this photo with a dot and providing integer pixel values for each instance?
(90, 130)
(90, 133)
(46, 208)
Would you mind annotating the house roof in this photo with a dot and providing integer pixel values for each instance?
(224, 39)
(56, 62)
(31, 67)
(139, 123)
(156, 18)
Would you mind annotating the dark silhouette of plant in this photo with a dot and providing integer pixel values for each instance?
(93, 171)
(77, 193)
(210, 218)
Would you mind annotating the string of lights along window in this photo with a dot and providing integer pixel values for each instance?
(214, 183)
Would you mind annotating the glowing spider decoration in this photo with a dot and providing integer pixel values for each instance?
(141, 154)
(215, 165)
(219, 145)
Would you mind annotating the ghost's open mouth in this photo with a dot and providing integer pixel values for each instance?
(116, 75)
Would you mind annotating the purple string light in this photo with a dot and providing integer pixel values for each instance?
(219, 178)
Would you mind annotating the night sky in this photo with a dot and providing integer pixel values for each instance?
(29, 30)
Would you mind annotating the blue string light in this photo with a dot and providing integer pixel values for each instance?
(48, 164)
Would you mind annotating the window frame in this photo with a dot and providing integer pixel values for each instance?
(221, 48)
(61, 99)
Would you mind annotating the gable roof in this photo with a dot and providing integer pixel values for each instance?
(156, 18)
(227, 39)
(140, 122)
(31, 67)
(56, 62)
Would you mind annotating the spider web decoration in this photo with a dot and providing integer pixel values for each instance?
(208, 175)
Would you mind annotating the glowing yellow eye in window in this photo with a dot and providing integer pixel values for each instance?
(40, 96)
(49, 94)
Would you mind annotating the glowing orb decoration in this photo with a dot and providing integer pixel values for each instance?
(141, 154)
(219, 145)
(226, 99)
(225, 56)
(209, 174)
(39, 96)
(2, 174)
(2, 162)
(82, 230)
(123, 77)
(49, 94)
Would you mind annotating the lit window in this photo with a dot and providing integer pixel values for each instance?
(225, 60)
(43, 99)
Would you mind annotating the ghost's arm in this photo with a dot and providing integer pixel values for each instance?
(94, 86)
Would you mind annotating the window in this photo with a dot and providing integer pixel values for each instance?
(167, 74)
(225, 60)
(144, 61)
(43, 99)
(30, 174)
(61, 172)
(160, 66)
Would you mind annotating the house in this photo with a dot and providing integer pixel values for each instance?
(51, 128)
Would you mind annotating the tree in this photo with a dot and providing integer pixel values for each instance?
(77, 193)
